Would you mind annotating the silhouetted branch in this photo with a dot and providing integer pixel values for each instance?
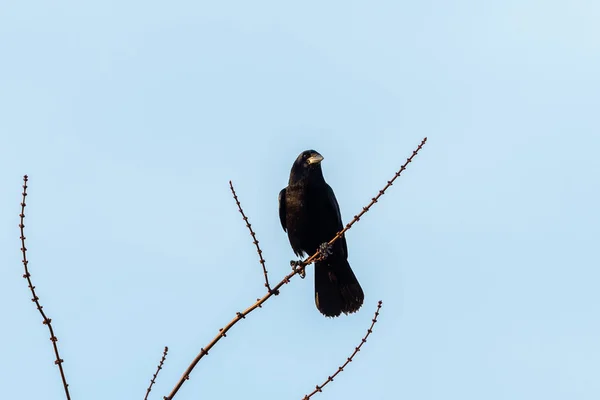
(374, 200)
(258, 250)
(319, 389)
(241, 315)
(46, 321)
(162, 360)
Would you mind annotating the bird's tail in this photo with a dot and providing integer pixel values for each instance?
(336, 288)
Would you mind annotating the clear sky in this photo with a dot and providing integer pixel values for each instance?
(130, 118)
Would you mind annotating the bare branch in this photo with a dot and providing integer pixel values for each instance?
(45, 320)
(374, 200)
(162, 360)
(258, 250)
(259, 302)
(319, 388)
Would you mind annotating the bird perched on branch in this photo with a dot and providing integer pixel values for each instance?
(310, 214)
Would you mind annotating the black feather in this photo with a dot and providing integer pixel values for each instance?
(310, 214)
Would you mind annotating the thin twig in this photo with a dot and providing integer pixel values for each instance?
(259, 302)
(319, 388)
(46, 321)
(374, 200)
(255, 240)
(162, 360)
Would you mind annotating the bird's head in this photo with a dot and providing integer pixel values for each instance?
(307, 164)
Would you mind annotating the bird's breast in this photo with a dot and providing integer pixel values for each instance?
(310, 218)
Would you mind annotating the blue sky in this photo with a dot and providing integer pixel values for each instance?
(131, 117)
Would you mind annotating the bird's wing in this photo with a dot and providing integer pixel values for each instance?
(282, 209)
(334, 203)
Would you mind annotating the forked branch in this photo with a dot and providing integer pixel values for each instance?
(259, 302)
(45, 320)
(319, 388)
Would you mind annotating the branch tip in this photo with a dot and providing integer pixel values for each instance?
(45, 320)
(254, 239)
(160, 365)
(348, 360)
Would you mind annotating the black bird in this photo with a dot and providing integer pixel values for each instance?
(310, 214)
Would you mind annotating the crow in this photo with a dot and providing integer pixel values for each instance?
(310, 214)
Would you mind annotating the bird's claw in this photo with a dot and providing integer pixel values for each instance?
(298, 267)
(325, 250)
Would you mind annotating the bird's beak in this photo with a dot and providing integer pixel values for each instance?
(315, 158)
